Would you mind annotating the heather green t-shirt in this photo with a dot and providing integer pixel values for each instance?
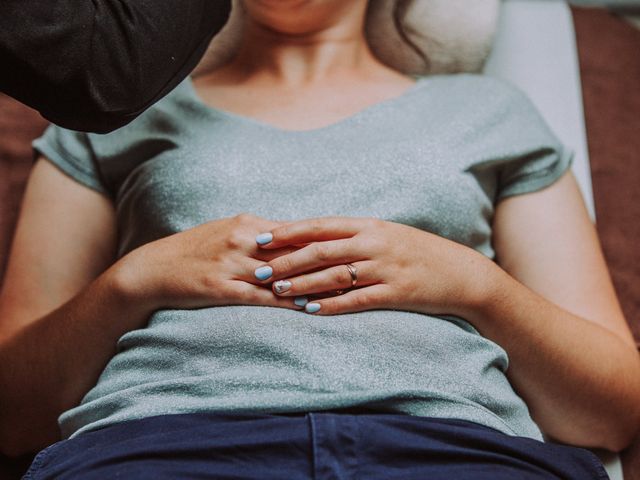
(438, 158)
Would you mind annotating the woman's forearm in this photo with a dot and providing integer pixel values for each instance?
(576, 375)
(580, 380)
(49, 365)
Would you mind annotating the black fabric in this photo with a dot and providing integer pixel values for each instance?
(95, 65)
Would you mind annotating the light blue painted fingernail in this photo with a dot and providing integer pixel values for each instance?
(312, 307)
(264, 238)
(262, 273)
(301, 301)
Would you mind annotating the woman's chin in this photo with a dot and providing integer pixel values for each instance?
(293, 17)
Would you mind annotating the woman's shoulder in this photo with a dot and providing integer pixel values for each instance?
(101, 160)
(480, 99)
(476, 92)
(473, 83)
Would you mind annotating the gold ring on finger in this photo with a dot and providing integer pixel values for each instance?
(353, 271)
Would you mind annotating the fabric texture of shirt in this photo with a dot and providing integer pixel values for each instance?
(438, 157)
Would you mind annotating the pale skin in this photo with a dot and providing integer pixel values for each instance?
(548, 300)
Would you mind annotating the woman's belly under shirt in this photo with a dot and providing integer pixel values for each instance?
(438, 158)
(270, 360)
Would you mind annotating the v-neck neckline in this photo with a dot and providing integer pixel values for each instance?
(358, 115)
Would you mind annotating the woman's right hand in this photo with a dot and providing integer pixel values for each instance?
(208, 265)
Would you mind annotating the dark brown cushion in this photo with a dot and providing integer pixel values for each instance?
(610, 67)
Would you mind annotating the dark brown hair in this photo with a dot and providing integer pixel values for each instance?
(399, 12)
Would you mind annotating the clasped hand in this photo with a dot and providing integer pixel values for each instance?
(398, 267)
(238, 260)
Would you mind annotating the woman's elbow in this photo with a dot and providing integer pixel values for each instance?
(620, 424)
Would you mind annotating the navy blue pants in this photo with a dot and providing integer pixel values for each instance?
(321, 446)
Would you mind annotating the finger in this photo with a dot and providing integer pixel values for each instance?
(313, 230)
(302, 300)
(247, 227)
(265, 256)
(261, 222)
(312, 257)
(251, 271)
(357, 300)
(328, 279)
(248, 294)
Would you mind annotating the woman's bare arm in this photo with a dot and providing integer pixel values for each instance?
(549, 303)
(572, 355)
(54, 341)
(65, 303)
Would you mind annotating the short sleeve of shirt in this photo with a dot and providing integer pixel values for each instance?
(71, 152)
(538, 158)
(534, 172)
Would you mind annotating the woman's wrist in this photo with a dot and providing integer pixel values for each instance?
(494, 299)
(124, 280)
(485, 283)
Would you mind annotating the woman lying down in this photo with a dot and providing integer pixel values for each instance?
(306, 264)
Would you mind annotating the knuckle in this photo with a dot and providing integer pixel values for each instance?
(252, 295)
(211, 282)
(244, 218)
(365, 244)
(281, 232)
(340, 277)
(227, 293)
(322, 252)
(377, 244)
(386, 297)
(244, 292)
(282, 265)
(372, 222)
(371, 241)
(235, 240)
(361, 300)
(300, 285)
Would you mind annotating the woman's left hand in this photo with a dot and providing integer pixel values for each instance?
(398, 267)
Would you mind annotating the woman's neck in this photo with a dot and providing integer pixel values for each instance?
(306, 58)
